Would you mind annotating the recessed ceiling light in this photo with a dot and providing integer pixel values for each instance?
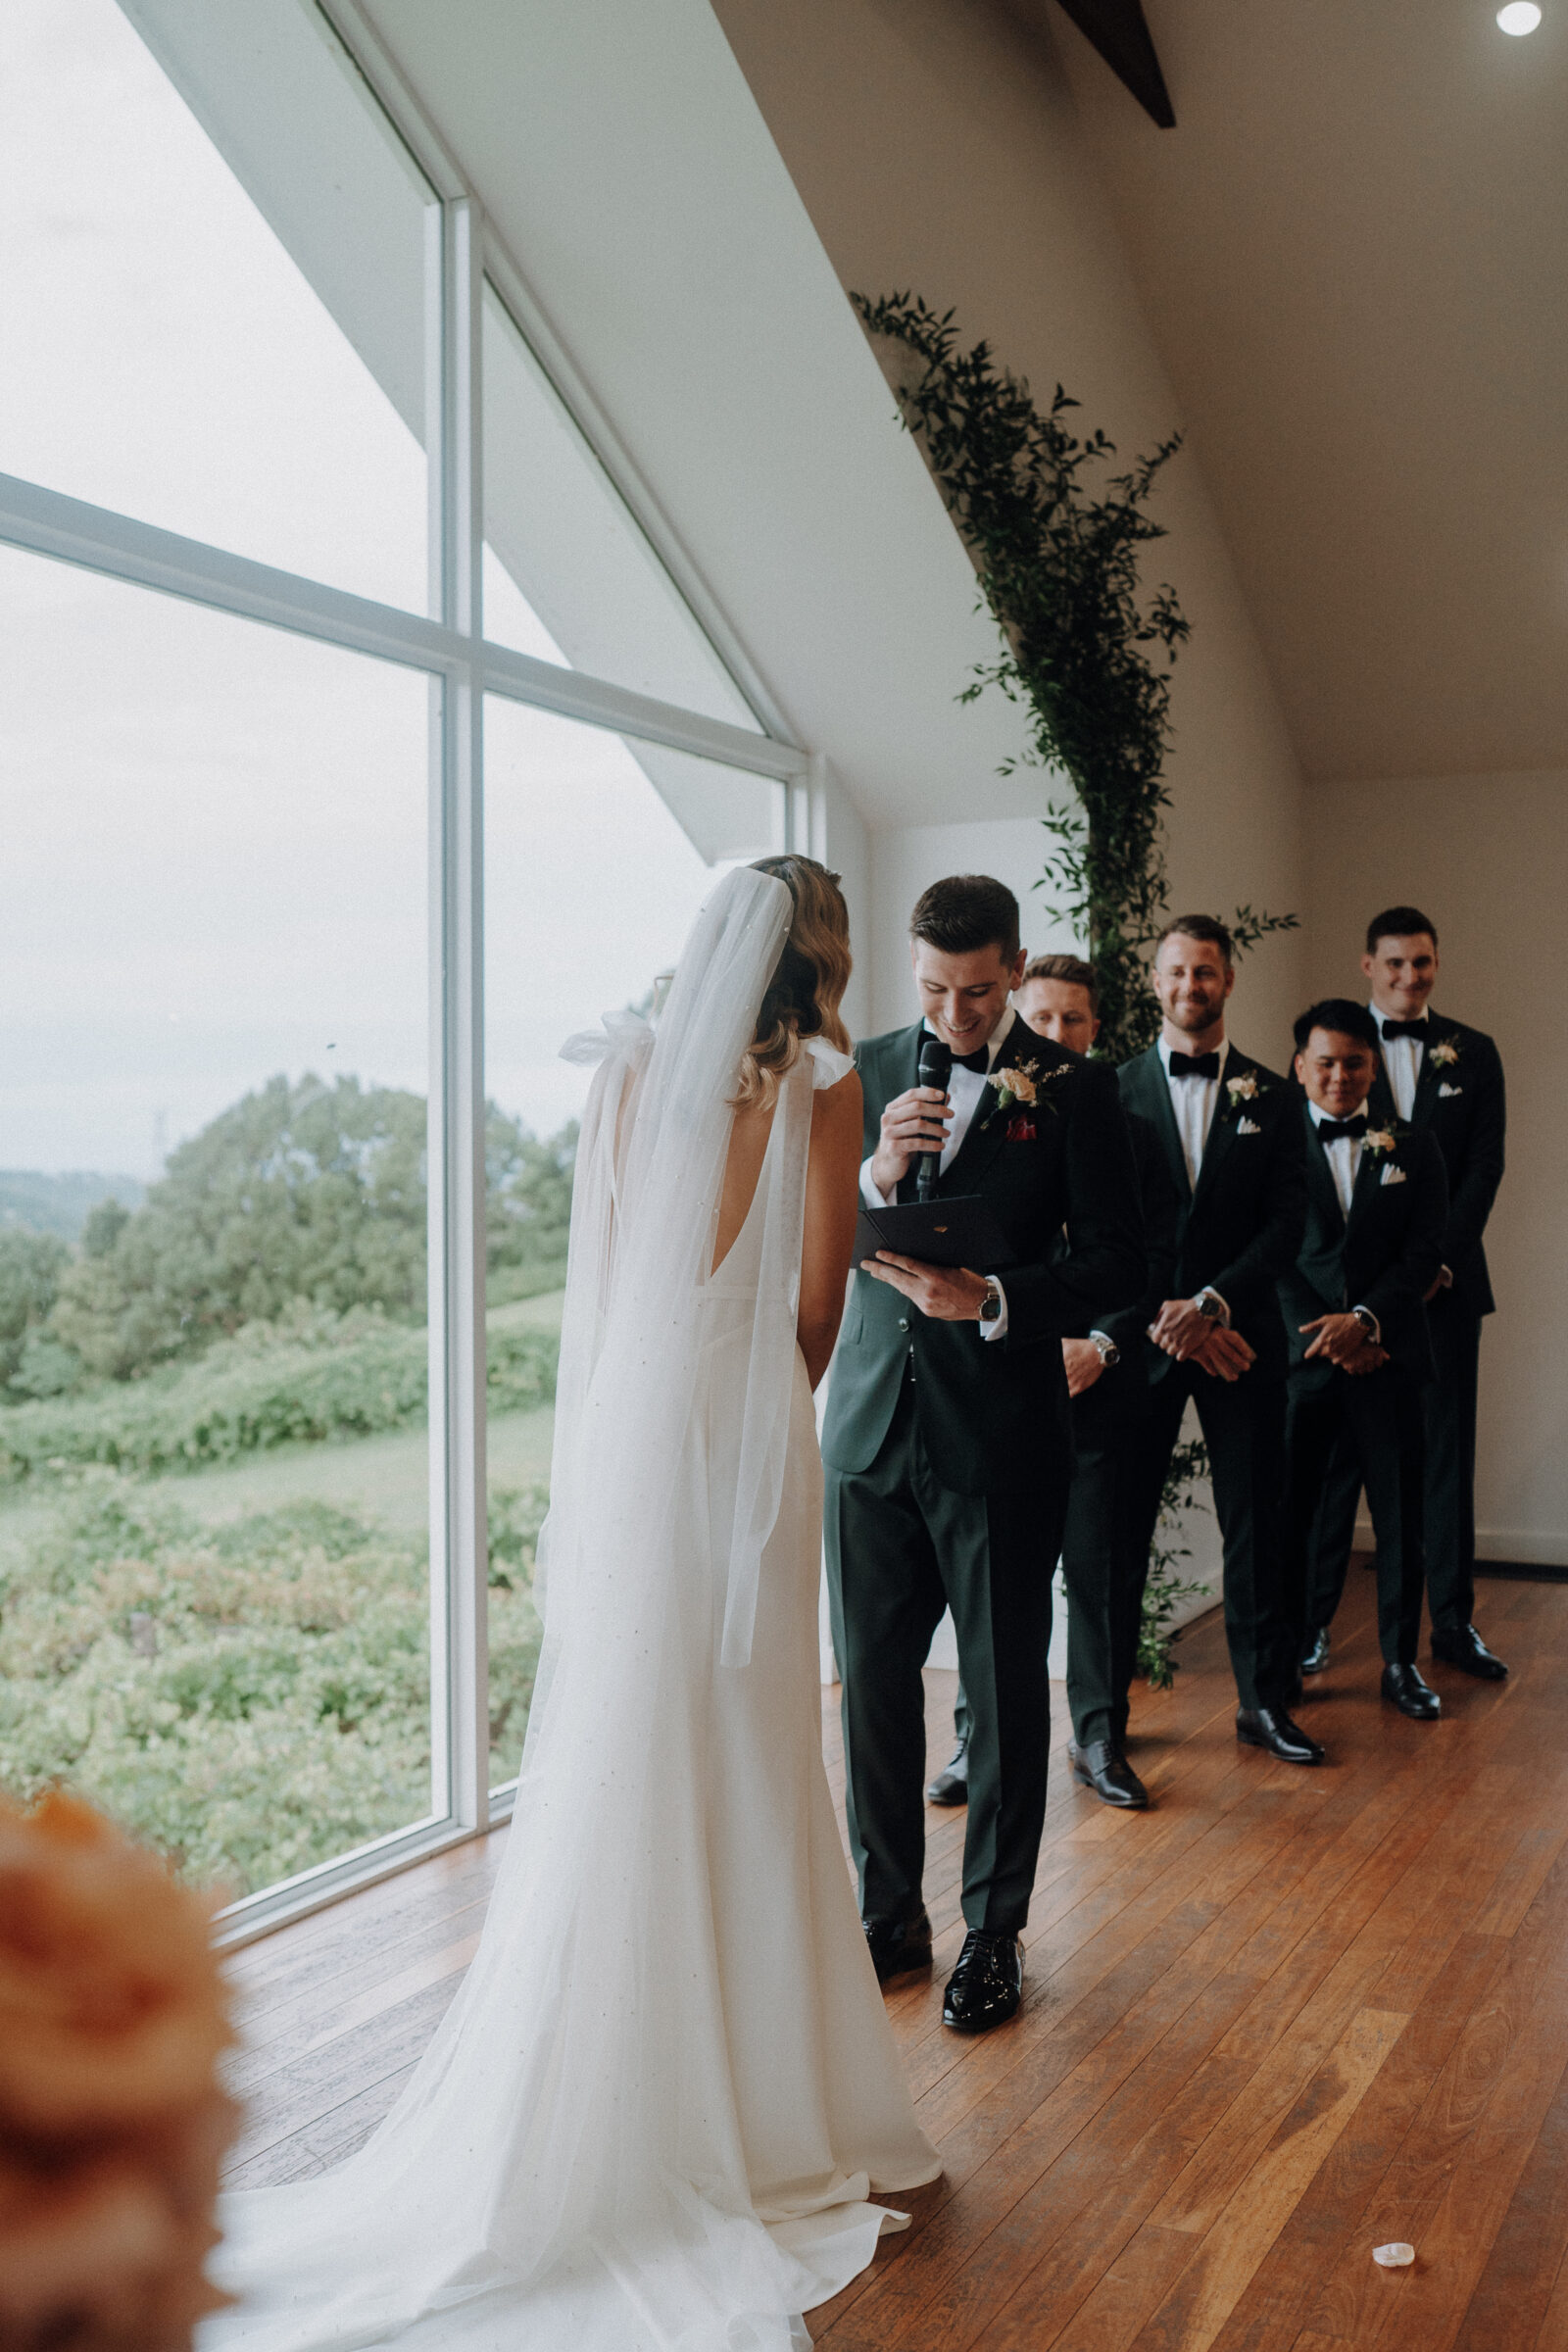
(1519, 16)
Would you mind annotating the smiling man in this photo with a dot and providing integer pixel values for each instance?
(1360, 1354)
(1442, 1076)
(1232, 1135)
(948, 1444)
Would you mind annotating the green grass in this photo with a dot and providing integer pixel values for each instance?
(232, 1654)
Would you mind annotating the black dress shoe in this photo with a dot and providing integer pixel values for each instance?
(1316, 1656)
(1101, 1766)
(1272, 1728)
(987, 1986)
(951, 1787)
(1411, 1694)
(898, 1947)
(1462, 1647)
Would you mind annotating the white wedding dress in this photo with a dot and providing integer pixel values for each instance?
(653, 2114)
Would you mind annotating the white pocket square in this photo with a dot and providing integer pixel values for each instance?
(1248, 1127)
(1446, 1089)
(1392, 1175)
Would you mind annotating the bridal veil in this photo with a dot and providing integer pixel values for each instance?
(566, 2168)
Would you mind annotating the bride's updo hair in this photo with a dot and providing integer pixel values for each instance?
(804, 996)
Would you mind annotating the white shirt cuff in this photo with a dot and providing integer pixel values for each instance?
(999, 1329)
(868, 1191)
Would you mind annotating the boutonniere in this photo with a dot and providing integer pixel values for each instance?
(1379, 1139)
(1248, 1127)
(1449, 1091)
(1392, 1174)
(1445, 1053)
(1022, 1082)
(1242, 1089)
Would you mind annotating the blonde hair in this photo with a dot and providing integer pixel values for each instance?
(803, 998)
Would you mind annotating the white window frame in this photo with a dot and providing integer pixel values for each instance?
(463, 668)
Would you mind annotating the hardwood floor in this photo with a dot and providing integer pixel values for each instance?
(1284, 2018)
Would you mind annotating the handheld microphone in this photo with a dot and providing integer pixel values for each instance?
(936, 1067)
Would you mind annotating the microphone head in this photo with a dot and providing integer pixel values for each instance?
(936, 1062)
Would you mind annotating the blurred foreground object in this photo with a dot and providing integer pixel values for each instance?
(111, 2124)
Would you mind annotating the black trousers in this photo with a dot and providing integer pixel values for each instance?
(901, 1549)
(1104, 1575)
(1243, 1422)
(1377, 1420)
(1449, 1411)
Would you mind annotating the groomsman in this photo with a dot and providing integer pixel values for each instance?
(1447, 1079)
(1108, 1383)
(947, 1443)
(1230, 1132)
(1355, 1316)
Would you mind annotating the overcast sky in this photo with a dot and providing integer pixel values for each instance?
(214, 833)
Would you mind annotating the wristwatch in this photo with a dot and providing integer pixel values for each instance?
(1208, 1306)
(1367, 1320)
(991, 1303)
(1110, 1352)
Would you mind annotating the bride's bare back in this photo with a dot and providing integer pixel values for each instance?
(832, 1192)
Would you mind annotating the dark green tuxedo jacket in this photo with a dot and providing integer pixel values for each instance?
(1459, 1102)
(1239, 1227)
(987, 1408)
(1385, 1258)
(1123, 1391)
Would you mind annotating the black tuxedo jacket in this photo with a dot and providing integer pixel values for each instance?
(987, 1408)
(1459, 1102)
(1385, 1258)
(1239, 1227)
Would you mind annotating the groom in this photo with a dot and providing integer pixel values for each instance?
(948, 1444)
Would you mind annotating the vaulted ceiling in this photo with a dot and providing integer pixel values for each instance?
(1353, 252)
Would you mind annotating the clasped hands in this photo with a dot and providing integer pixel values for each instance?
(1193, 1338)
(1346, 1342)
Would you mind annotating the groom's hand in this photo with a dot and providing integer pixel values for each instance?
(947, 1293)
(912, 1123)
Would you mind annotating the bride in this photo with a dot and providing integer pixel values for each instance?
(656, 2110)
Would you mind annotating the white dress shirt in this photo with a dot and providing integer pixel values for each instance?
(1402, 1058)
(1344, 1155)
(1192, 1102)
(966, 1090)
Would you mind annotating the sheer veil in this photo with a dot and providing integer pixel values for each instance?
(564, 2167)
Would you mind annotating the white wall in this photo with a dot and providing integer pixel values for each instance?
(1487, 858)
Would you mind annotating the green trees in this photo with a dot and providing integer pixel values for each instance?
(299, 1199)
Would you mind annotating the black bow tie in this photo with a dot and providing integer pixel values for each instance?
(1342, 1131)
(978, 1062)
(1415, 1029)
(1195, 1065)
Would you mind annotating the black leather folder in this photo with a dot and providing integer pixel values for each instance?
(961, 1232)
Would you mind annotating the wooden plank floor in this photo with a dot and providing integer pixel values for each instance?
(1284, 2018)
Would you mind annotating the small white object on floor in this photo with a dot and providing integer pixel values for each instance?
(1397, 2257)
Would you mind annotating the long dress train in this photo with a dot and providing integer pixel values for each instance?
(653, 2114)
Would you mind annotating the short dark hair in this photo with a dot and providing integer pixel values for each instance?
(966, 912)
(1398, 922)
(1206, 927)
(1071, 968)
(1342, 1016)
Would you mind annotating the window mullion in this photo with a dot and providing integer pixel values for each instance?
(458, 1542)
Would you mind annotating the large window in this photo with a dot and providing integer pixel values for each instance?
(283, 972)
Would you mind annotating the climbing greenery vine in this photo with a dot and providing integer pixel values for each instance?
(1056, 542)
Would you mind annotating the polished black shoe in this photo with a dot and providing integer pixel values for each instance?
(1104, 1769)
(898, 1947)
(951, 1787)
(1462, 1647)
(1404, 1687)
(1316, 1656)
(987, 1986)
(1272, 1728)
